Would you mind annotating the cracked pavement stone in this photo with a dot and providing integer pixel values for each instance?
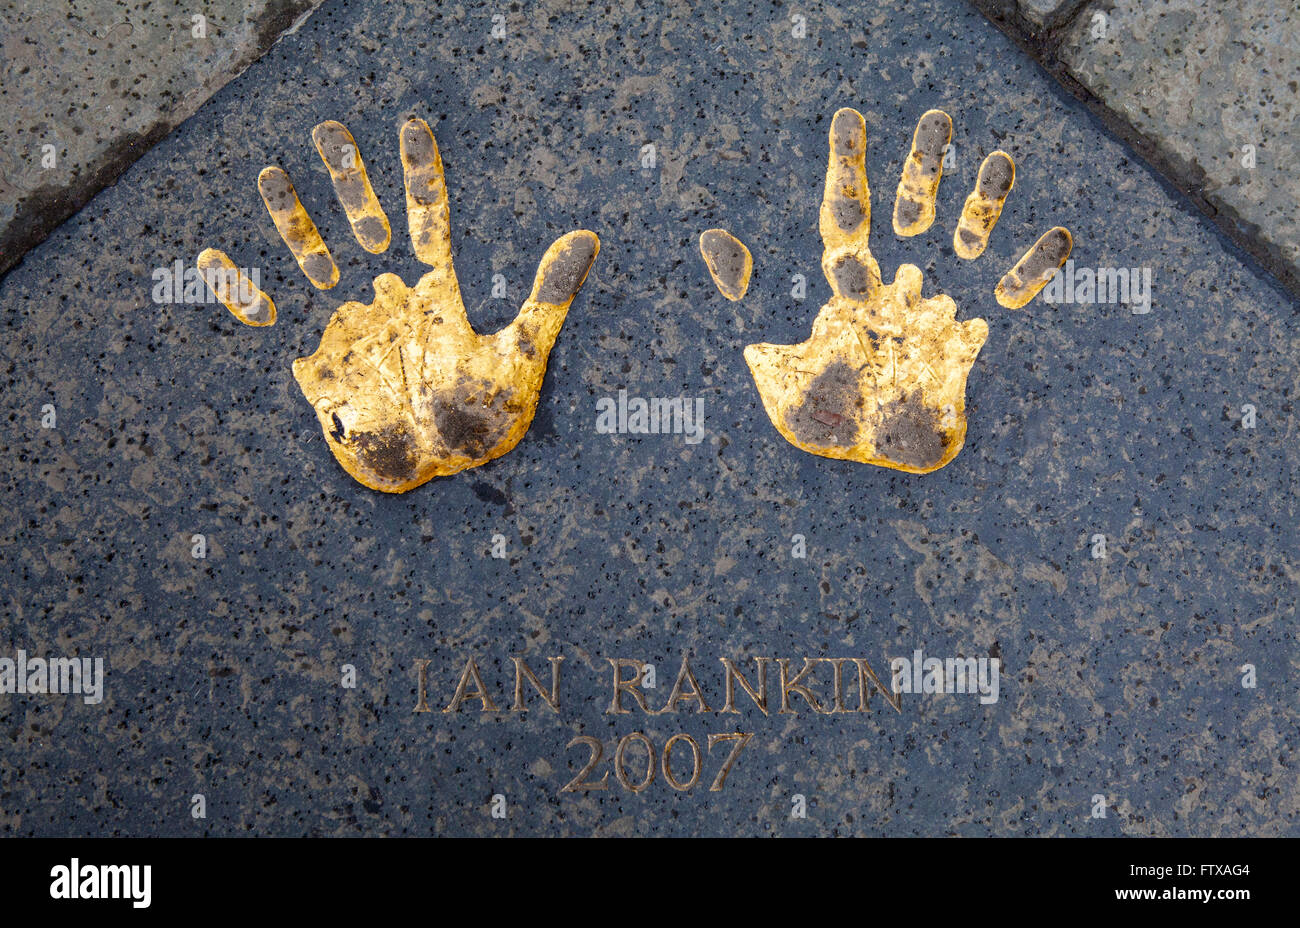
(87, 87)
(1217, 89)
(1041, 12)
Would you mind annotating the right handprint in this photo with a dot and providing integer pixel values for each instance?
(882, 379)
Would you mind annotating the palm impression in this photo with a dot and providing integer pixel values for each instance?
(404, 389)
(882, 379)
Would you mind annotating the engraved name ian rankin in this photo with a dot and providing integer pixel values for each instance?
(770, 685)
(785, 686)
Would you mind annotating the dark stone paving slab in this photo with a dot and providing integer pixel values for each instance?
(1122, 675)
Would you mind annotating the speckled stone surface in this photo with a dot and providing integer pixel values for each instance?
(87, 86)
(1216, 87)
(1121, 676)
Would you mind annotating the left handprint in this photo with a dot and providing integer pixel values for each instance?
(405, 390)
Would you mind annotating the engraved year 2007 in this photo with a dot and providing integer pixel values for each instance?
(636, 776)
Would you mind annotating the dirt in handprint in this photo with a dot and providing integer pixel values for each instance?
(844, 200)
(908, 213)
(566, 271)
(389, 452)
(832, 408)
(852, 278)
(729, 262)
(909, 432)
(473, 418)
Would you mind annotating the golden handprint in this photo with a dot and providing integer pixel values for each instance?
(403, 387)
(882, 379)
